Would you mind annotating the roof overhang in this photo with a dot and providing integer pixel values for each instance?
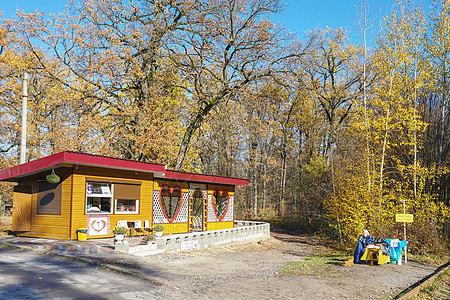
(71, 158)
(80, 159)
(203, 178)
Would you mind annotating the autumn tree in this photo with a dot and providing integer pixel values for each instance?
(396, 135)
(112, 54)
(333, 75)
(232, 47)
(436, 110)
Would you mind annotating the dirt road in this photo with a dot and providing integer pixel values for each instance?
(32, 275)
(244, 271)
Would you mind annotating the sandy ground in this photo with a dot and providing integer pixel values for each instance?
(252, 271)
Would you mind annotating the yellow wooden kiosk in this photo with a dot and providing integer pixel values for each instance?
(96, 192)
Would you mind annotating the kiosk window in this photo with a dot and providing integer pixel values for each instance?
(127, 198)
(98, 197)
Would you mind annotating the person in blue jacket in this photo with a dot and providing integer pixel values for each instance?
(364, 240)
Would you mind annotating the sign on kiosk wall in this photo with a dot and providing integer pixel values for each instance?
(98, 225)
(404, 218)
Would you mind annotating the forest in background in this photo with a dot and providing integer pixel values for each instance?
(327, 132)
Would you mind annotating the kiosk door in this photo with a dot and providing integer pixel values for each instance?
(21, 217)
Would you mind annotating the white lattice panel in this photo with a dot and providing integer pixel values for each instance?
(229, 214)
(184, 211)
(211, 215)
(158, 216)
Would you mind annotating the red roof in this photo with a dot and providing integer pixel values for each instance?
(204, 178)
(159, 171)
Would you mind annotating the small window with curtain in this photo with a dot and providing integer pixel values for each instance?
(127, 198)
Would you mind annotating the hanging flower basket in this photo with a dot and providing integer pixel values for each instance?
(53, 178)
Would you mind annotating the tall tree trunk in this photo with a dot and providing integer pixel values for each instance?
(283, 180)
(255, 192)
(264, 186)
(415, 124)
(386, 128)
(442, 133)
(190, 131)
(366, 121)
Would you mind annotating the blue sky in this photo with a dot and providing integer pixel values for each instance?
(299, 16)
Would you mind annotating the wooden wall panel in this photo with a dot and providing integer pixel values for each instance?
(175, 228)
(213, 187)
(51, 226)
(112, 173)
(21, 216)
(220, 225)
(73, 203)
(79, 218)
(158, 183)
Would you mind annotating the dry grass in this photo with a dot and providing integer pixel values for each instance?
(431, 258)
(438, 289)
(315, 265)
(5, 224)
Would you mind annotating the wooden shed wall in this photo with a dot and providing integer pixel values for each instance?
(73, 202)
(79, 217)
(184, 227)
(50, 226)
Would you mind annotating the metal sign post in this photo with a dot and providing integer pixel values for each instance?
(404, 230)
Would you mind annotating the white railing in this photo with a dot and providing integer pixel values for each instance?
(242, 231)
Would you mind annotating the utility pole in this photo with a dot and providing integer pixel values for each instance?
(23, 139)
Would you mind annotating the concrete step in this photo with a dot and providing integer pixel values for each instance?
(148, 252)
(140, 248)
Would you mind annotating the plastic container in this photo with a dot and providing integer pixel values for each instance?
(82, 234)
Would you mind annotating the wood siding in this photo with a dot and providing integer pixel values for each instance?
(51, 226)
(73, 202)
(171, 183)
(220, 225)
(175, 228)
(82, 174)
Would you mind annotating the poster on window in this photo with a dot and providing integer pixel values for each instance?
(98, 225)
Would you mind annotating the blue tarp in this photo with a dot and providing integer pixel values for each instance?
(396, 252)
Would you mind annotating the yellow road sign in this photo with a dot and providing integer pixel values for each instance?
(404, 218)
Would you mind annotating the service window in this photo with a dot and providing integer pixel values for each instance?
(127, 198)
(98, 198)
